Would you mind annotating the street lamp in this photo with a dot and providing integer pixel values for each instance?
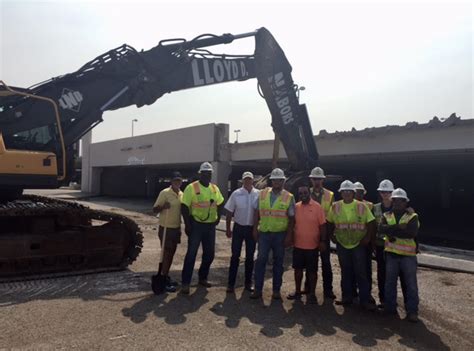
(133, 120)
(302, 88)
(237, 131)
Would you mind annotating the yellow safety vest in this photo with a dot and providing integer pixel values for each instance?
(273, 218)
(350, 227)
(405, 247)
(326, 200)
(202, 208)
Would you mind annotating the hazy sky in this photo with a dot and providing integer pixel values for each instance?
(363, 64)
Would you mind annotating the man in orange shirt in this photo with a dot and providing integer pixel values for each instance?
(309, 236)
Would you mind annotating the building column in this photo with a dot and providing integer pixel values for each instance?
(95, 180)
(86, 172)
(220, 176)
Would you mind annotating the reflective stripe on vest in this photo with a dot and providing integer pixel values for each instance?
(405, 247)
(274, 218)
(349, 234)
(203, 210)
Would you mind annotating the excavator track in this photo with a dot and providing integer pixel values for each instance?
(45, 237)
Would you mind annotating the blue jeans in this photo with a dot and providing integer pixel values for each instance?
(204, 233)
(240, 234)
(353, 264)
(380, 257)
(406, 266)
(266, 242)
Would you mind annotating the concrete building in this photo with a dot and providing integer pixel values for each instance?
(433, 161)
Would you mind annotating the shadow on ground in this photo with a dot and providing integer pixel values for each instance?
(366, 328)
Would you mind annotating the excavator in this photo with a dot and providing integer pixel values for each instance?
(40, 125)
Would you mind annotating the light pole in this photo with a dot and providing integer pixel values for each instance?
(237, 131)
(301, 88)
(133, 121)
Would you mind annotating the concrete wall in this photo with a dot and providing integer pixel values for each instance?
(187, 145)
(457, 137)
(186, 148)
(120, 167)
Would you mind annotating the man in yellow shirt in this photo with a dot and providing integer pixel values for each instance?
(168, 205)
(349, 228)
(201, 208)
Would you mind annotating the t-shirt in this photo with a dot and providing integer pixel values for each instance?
(170, 218)
(349, 216)
(243, 204)
(308, 218)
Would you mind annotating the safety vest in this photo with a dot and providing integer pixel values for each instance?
(326, 200)
(405, 247)
(203, 207)
(273, 218)
(350, 227)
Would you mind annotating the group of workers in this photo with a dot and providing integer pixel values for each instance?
(271, 220)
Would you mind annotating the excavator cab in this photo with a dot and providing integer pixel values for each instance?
(24, 159)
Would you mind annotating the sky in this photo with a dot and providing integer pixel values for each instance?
(363, 64)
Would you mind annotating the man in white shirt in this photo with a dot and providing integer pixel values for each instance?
(241, 206)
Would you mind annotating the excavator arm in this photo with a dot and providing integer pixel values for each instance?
(124, 77)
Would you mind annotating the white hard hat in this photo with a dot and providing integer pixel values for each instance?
(385, 185)
(399, 193)
(317, 172)
(346, 185)
(360, 186)
(205, 167)
(247, 175)
(277, 173)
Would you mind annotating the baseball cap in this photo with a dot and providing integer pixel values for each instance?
(247, 175)
(176, 175)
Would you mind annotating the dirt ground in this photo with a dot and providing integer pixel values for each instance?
(118, 311)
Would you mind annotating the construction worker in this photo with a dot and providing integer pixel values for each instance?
(360, 192)
(241, 206)
(359, 196)
(273, 230)
(325, 198)
(401, 228)
(309, 236)
(385, 192)
(350, 228)
(168, 205)
(201, 208)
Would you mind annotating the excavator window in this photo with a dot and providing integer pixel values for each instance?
(33, 139)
